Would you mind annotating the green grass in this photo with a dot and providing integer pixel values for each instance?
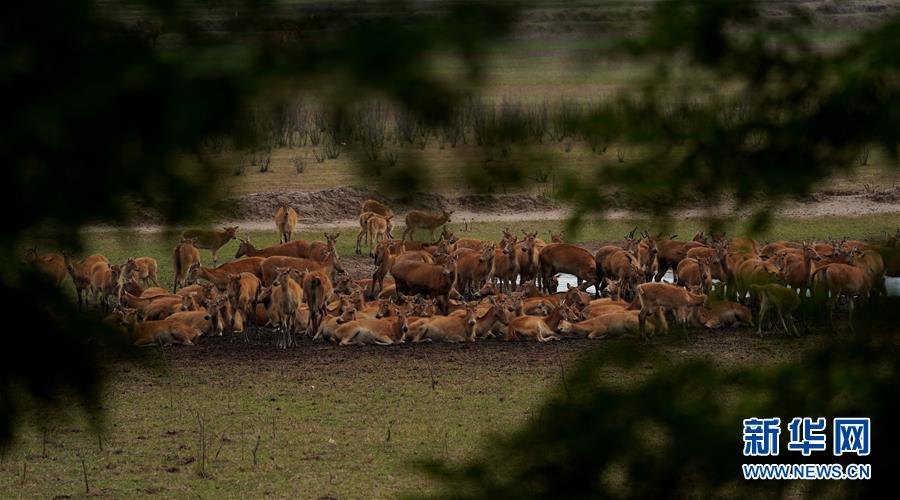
(118, 245)
(320, 432)
(338, 422)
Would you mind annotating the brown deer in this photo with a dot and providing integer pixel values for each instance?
(558, 258)
(219, 276)
(200, 320)
(385, 331)
(287, 295)
(364, 234)
(619, 323)
(185, 258)
(797, 268)
(493, 317)
(670, 252)
(243, 290)
(428, 279)
(694, 273)
(538, 328)
(317, 291)
(270, 264)
(285, 222)
(211, 240)
(528, 252)
(446, 328)
(161, 333)
(505, 266)
(656, 298)
(377, 207)
(417, 219)
(142, 268)
(81, 272)
(385, 258)
(378, 228)
(106, 282)
(51, 265)
(722, 314)
(473, 267)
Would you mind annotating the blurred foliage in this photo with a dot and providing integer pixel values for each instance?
(737, 106)
(774, 117)
(112, 104)
(677, 432)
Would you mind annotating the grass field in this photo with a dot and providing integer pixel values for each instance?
(322, 421)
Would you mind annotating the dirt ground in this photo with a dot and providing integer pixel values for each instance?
(339, 207)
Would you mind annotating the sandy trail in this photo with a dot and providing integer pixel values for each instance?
(844, 205)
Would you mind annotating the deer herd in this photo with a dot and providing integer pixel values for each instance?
(464, 289)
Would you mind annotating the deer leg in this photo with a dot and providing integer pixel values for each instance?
(215, 256)
(642, 323)
(850, 297)
(762, 316)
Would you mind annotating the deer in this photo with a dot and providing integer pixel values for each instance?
(294, 248)
(656, 298)
(780, 299)
(81, 273)
(797, 267)
(754, 271)
(200, 320)
(287, 302)
(317, 290)
(211, 240)
(417, 219)
(671, 251)
(219, 276)
(378, 229)
(185, 259)
(540, 328)
(386, 255)
(364, 234)
(843, 279)
(716, 256)
(565, 258)
(51, 265)
(163, 307)
(106, 282)
(612, 324)
(161, 333)
(721, 314)
(473, 267)
(270, 264)
(446, 328)
(646, 255)
(243, 290)
(377, 207)
(620, 264)
(694, 273)
(493, 317)
(142, 268)
(285, 222)
(505, 266)
(428, 279)
(385, 331)
(528, 252)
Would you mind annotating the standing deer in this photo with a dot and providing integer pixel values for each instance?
(185, 258)
(285, 222)
(416, 219)
(211, 240)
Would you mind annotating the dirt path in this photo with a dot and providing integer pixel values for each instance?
(820, 205)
